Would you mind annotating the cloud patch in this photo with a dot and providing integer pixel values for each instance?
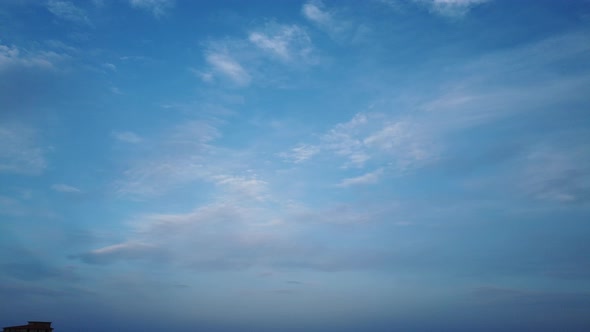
(315, 12)
(228, 67)
(373, 137)
(67, 11)
(288, 43)
(300, 153)
(451, 8)
(365, 179)
(158, 8)
(340, 27)
(12, 57)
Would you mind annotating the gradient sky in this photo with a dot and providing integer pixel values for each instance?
(419, 165)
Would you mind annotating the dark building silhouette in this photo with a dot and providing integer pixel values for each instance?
(31, 327)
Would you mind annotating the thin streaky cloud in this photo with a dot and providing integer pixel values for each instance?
(300, 153)
(122, 251)
(249, 187)
(228, 67)
(64, 188)
(365, 179)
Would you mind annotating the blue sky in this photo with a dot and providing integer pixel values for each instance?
(380, 165)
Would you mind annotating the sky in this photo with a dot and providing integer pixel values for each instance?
(378, 165)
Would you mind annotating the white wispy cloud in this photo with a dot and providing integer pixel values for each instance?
(20, 151)
(451, 8)
(13, 57)
(314, 12)
(470, 101)
(249, 187)
(268, 55)
(64, 188)
(246, 214)
(228, 67)
(127, 137)
(405, 140)
(300, 153)
(287, 42)
(417, 135)
(367, 178)
(530, 57)
(219, 229)
(380, 138)
(109, 66)
(336, 25)
(68, 11)
(346, 139)
(222, 211)
(158, 8)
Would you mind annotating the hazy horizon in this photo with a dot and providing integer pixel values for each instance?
(378, 165)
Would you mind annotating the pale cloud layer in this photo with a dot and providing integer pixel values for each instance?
(229, 235)
(20, 150)
(302, 167)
